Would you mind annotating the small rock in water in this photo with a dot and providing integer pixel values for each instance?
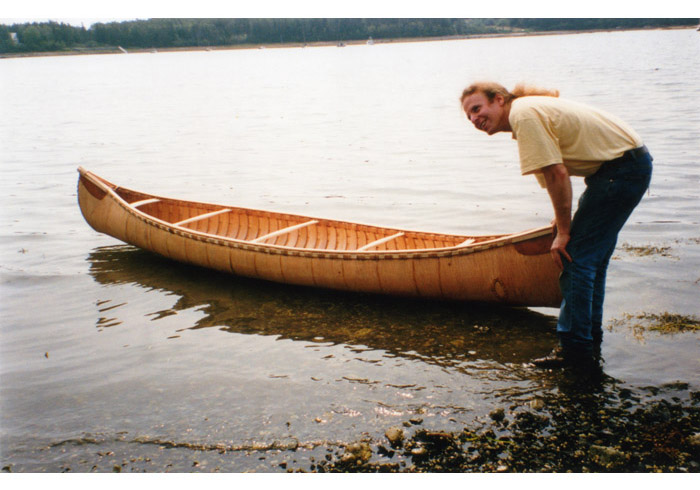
(419, 451)
(498, 415)
(357, 452)
(694, 440)
(395, 436)
(537, 404)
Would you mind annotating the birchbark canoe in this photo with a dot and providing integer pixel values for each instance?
(513, 269)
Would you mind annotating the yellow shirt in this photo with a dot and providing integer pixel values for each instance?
(551, 130)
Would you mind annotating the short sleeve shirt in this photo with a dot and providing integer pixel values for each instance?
(550, 130)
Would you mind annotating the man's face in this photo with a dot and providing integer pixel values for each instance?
(488, 116)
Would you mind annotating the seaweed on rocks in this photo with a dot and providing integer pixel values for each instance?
(660, 323)
(578, 427)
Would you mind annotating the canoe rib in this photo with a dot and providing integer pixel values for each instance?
(514, 269)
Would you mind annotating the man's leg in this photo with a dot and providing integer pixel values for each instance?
(599, 297)
(608, 201)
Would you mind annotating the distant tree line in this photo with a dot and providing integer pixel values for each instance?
(173, 33)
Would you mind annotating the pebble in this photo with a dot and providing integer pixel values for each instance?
(395, 436)
(498, 415)
(694, 440)
(537, 404)
(419, 451)
(357, 452)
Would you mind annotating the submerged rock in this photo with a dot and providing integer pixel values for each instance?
(395, 436)
(357, 453)
(419, 451)
(498, 415)
(537, 404)
(694, 440)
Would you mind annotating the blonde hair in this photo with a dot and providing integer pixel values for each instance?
(491, 89)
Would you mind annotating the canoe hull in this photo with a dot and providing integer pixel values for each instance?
(516, 270)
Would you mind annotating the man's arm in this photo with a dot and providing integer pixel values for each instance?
(559, 188)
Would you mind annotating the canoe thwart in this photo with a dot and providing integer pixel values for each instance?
(143, 202)
(201, 217)
(284, 231)
(468, 241)
(376, 243)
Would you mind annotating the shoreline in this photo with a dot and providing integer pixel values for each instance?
(590, 423)
(118, 50)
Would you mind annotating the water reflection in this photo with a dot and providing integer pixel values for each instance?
(554, 421)
(441, 333)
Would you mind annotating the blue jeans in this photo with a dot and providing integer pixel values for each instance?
(611, 195)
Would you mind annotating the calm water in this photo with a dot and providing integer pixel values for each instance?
(109, 355)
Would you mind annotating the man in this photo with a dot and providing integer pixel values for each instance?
(556, 139)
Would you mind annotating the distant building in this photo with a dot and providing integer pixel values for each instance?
(14, 38)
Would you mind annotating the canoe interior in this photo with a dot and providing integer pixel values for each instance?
(304, 232)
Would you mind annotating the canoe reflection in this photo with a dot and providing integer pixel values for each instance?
(436, 332)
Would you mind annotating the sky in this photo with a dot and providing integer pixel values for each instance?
(87, 12)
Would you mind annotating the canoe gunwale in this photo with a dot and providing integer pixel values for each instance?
(463, 248)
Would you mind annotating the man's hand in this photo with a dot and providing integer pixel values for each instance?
(559, 188)
(558, 249)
